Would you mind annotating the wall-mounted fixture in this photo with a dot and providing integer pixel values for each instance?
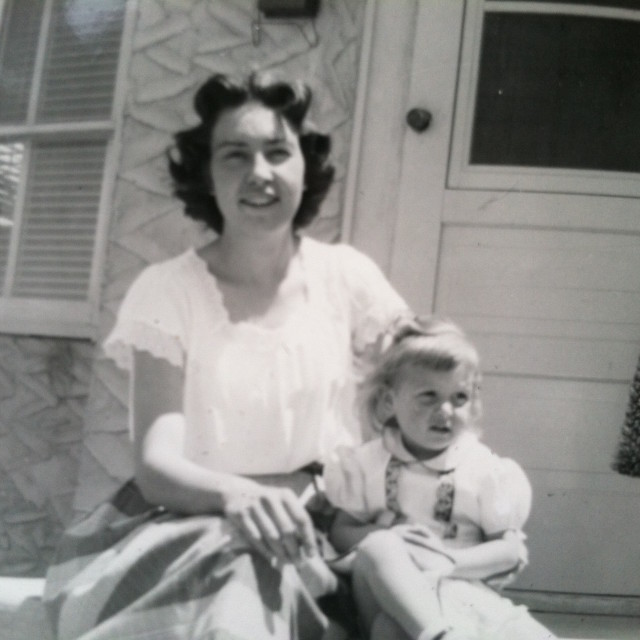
(286, 12)
(289, 8)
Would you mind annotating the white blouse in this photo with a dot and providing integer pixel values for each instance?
(260, 400)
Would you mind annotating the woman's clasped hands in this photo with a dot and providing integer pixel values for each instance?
(274, 522)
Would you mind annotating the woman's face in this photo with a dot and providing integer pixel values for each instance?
(257, 169)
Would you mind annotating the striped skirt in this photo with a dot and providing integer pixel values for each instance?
(133, 570)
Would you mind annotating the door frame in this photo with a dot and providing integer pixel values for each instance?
(383, 211)
(384, 216)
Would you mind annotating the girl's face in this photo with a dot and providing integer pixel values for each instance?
(432, 408)
(257, 169)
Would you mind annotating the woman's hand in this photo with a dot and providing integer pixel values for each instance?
(274, 521)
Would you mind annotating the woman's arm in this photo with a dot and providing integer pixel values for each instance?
(272, 518)
(488, 558)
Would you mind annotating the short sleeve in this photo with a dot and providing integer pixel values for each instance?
(152, 317)
(505, 497)
(374, 303)
(345, 483)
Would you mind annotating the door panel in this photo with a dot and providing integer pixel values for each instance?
(571, 426)
(553, 294)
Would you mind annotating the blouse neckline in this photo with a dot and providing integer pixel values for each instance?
(211, 282)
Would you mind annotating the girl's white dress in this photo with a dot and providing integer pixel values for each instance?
(466, 495)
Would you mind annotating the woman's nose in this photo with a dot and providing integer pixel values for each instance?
(260, 169)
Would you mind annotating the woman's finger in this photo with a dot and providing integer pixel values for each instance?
(269, 532)
(304, 527)
(288, 531)
(252, 533)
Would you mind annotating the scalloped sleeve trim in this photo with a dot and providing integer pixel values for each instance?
(138, 336)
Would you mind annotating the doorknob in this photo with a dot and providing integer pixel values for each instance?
(418, 119)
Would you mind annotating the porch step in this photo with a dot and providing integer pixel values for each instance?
(14, 591)
(21, 596)
(576, 626)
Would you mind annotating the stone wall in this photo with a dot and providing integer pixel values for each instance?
(176, 46)
(44, 385)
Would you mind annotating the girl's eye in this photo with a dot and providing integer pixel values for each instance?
(428, 397)
(460, 399)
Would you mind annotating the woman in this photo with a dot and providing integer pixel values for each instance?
(243, 360)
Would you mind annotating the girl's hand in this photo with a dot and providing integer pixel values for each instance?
(426, 548)
(386, 519)
(420, 535)
(274, 521)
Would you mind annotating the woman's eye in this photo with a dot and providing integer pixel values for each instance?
(278, 155)
(233, 156)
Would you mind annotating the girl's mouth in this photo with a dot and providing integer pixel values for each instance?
(440, 428)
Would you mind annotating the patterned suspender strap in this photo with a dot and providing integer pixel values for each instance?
(445, 494)
(392, 473)
(443, 510)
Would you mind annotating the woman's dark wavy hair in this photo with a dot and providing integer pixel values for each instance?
(190, 170)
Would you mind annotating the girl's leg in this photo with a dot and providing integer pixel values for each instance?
(387, 579)
(384, 628)
(525, 627)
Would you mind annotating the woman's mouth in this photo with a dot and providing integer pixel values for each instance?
(259, 201)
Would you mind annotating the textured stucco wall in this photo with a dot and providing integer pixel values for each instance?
(176, 46)
(44, 385)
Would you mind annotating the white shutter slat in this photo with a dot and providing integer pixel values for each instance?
(56, 244)
(11, 157)
(19, 35)
(81, 62)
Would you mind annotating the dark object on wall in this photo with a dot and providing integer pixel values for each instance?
(289, 8)
(627, 460)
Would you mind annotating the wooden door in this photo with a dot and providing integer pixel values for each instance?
(518, 215)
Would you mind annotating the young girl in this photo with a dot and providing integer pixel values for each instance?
(429, 515)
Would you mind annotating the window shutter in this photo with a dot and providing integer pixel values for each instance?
(58, 231)
(11, 155)
(81, 61)
(18, 48)
(58, 65)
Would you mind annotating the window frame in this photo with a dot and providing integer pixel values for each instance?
(59, 317)
(464, 175)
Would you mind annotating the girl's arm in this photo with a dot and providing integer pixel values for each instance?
(272, 518)
(489, 558)
(346, 531)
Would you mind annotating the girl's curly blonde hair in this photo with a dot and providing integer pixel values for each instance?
(434, 343)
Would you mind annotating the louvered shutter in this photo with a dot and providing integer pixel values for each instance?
(58, 66)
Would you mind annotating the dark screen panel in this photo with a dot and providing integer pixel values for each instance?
(558, 91)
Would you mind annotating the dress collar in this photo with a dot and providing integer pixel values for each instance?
(446, 461)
